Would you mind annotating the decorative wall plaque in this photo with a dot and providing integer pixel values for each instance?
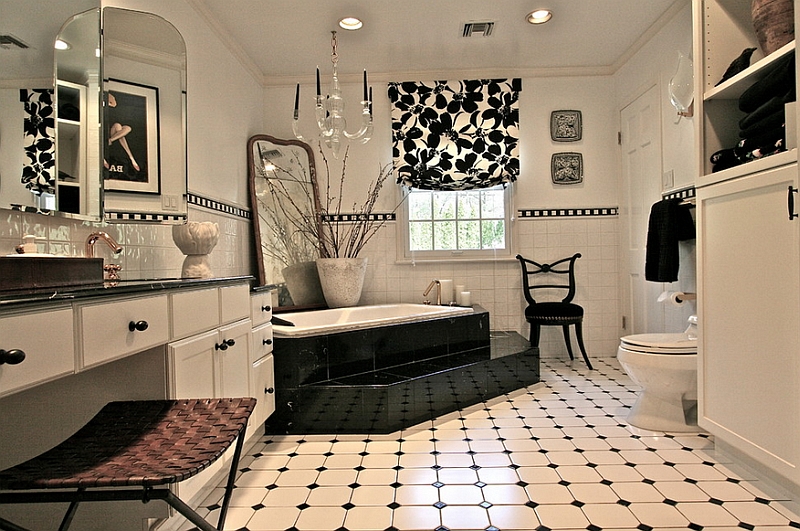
(566, 168)
(565, 126)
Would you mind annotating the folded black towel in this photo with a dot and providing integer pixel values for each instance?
(670, 222)
(775, 103)
(767, 124)
(776, 83)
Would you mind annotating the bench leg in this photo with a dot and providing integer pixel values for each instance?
(237, 454)
(188, 512)
(67, 520)
(5, 525)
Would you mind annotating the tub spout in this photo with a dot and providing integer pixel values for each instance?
(438, 291)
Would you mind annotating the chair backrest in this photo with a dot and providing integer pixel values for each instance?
(565, 266)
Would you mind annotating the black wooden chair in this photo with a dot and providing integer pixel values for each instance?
(562, 313)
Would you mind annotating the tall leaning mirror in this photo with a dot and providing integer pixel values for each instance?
(285, 201)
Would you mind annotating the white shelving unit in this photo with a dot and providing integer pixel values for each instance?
(71, 147)
(748, 252)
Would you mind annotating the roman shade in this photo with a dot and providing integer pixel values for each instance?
(455, 135)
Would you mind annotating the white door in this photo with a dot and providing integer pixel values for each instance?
(640, 127)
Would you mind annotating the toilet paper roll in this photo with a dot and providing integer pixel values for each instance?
(447, 291)
(676, 298)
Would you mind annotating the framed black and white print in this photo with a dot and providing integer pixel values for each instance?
(565, 126)
(566, 168)
(131, 138)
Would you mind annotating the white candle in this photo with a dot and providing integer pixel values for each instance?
(466, 298)
(459, 289)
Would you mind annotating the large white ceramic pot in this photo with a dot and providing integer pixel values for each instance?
(302, 281)
(342, 280)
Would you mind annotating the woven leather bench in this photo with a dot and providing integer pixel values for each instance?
(133, 450)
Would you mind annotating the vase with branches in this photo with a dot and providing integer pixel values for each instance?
(344, 235)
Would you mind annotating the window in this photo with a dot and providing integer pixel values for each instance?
(457, 224)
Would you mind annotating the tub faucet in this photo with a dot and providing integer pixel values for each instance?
(93, 237)
(438, 292)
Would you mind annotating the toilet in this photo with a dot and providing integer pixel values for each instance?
(665, 367)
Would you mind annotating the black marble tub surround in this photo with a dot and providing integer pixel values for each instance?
(386, 378)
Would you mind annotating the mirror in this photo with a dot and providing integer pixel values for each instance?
(285, 200)
(26, 64)
(138, 49)
(77, 107)
(144, 117)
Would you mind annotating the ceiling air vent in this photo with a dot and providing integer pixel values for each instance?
(476, 29)
(9, 41)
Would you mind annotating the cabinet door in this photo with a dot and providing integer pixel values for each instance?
(262, 387)
(749, 306)
(191, 364)
(231, 358)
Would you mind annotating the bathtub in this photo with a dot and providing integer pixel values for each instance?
(323, 322)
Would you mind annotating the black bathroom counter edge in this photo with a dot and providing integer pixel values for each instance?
(22, 297)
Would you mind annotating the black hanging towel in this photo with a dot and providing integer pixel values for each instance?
(670, 222)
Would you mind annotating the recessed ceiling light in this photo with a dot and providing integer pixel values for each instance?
(539, 16)
(350, 23)
(62, 45)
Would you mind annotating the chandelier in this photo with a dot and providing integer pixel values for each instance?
(329, 111)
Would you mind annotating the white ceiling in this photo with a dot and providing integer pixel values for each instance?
(282, 41)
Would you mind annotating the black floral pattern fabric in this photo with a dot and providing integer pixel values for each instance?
(39, 169)
(455, 135)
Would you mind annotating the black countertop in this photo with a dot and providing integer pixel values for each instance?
(21, 297)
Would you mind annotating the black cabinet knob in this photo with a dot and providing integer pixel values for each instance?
(266, 308)
(267, 341)
(269, 390)
(138, 326)
(225, 344)
(11, 357)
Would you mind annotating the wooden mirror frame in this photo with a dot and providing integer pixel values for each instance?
(259, 232)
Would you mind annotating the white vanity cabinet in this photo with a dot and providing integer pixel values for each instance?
(48, 354)
(210, 353)
(262, 375)
(748, 259)
(209, 358)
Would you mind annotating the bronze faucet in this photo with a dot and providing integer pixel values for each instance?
(93, 237)
(438, 292)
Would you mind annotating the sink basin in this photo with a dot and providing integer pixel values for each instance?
(30, 272)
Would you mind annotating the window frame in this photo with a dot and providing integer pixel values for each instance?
(406, 255)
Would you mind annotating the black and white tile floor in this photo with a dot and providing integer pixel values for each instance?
(557, 455)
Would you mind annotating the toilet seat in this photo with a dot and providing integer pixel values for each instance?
(675, 344)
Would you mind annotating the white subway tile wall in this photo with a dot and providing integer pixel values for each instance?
(497, 285)
(149, 251)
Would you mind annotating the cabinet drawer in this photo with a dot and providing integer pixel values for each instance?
(262, 342)
(194, 312)
(234, 303)
(49, 352)
(106, 328)
(261, 307)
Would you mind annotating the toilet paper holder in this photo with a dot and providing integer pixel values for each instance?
(676, 297)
